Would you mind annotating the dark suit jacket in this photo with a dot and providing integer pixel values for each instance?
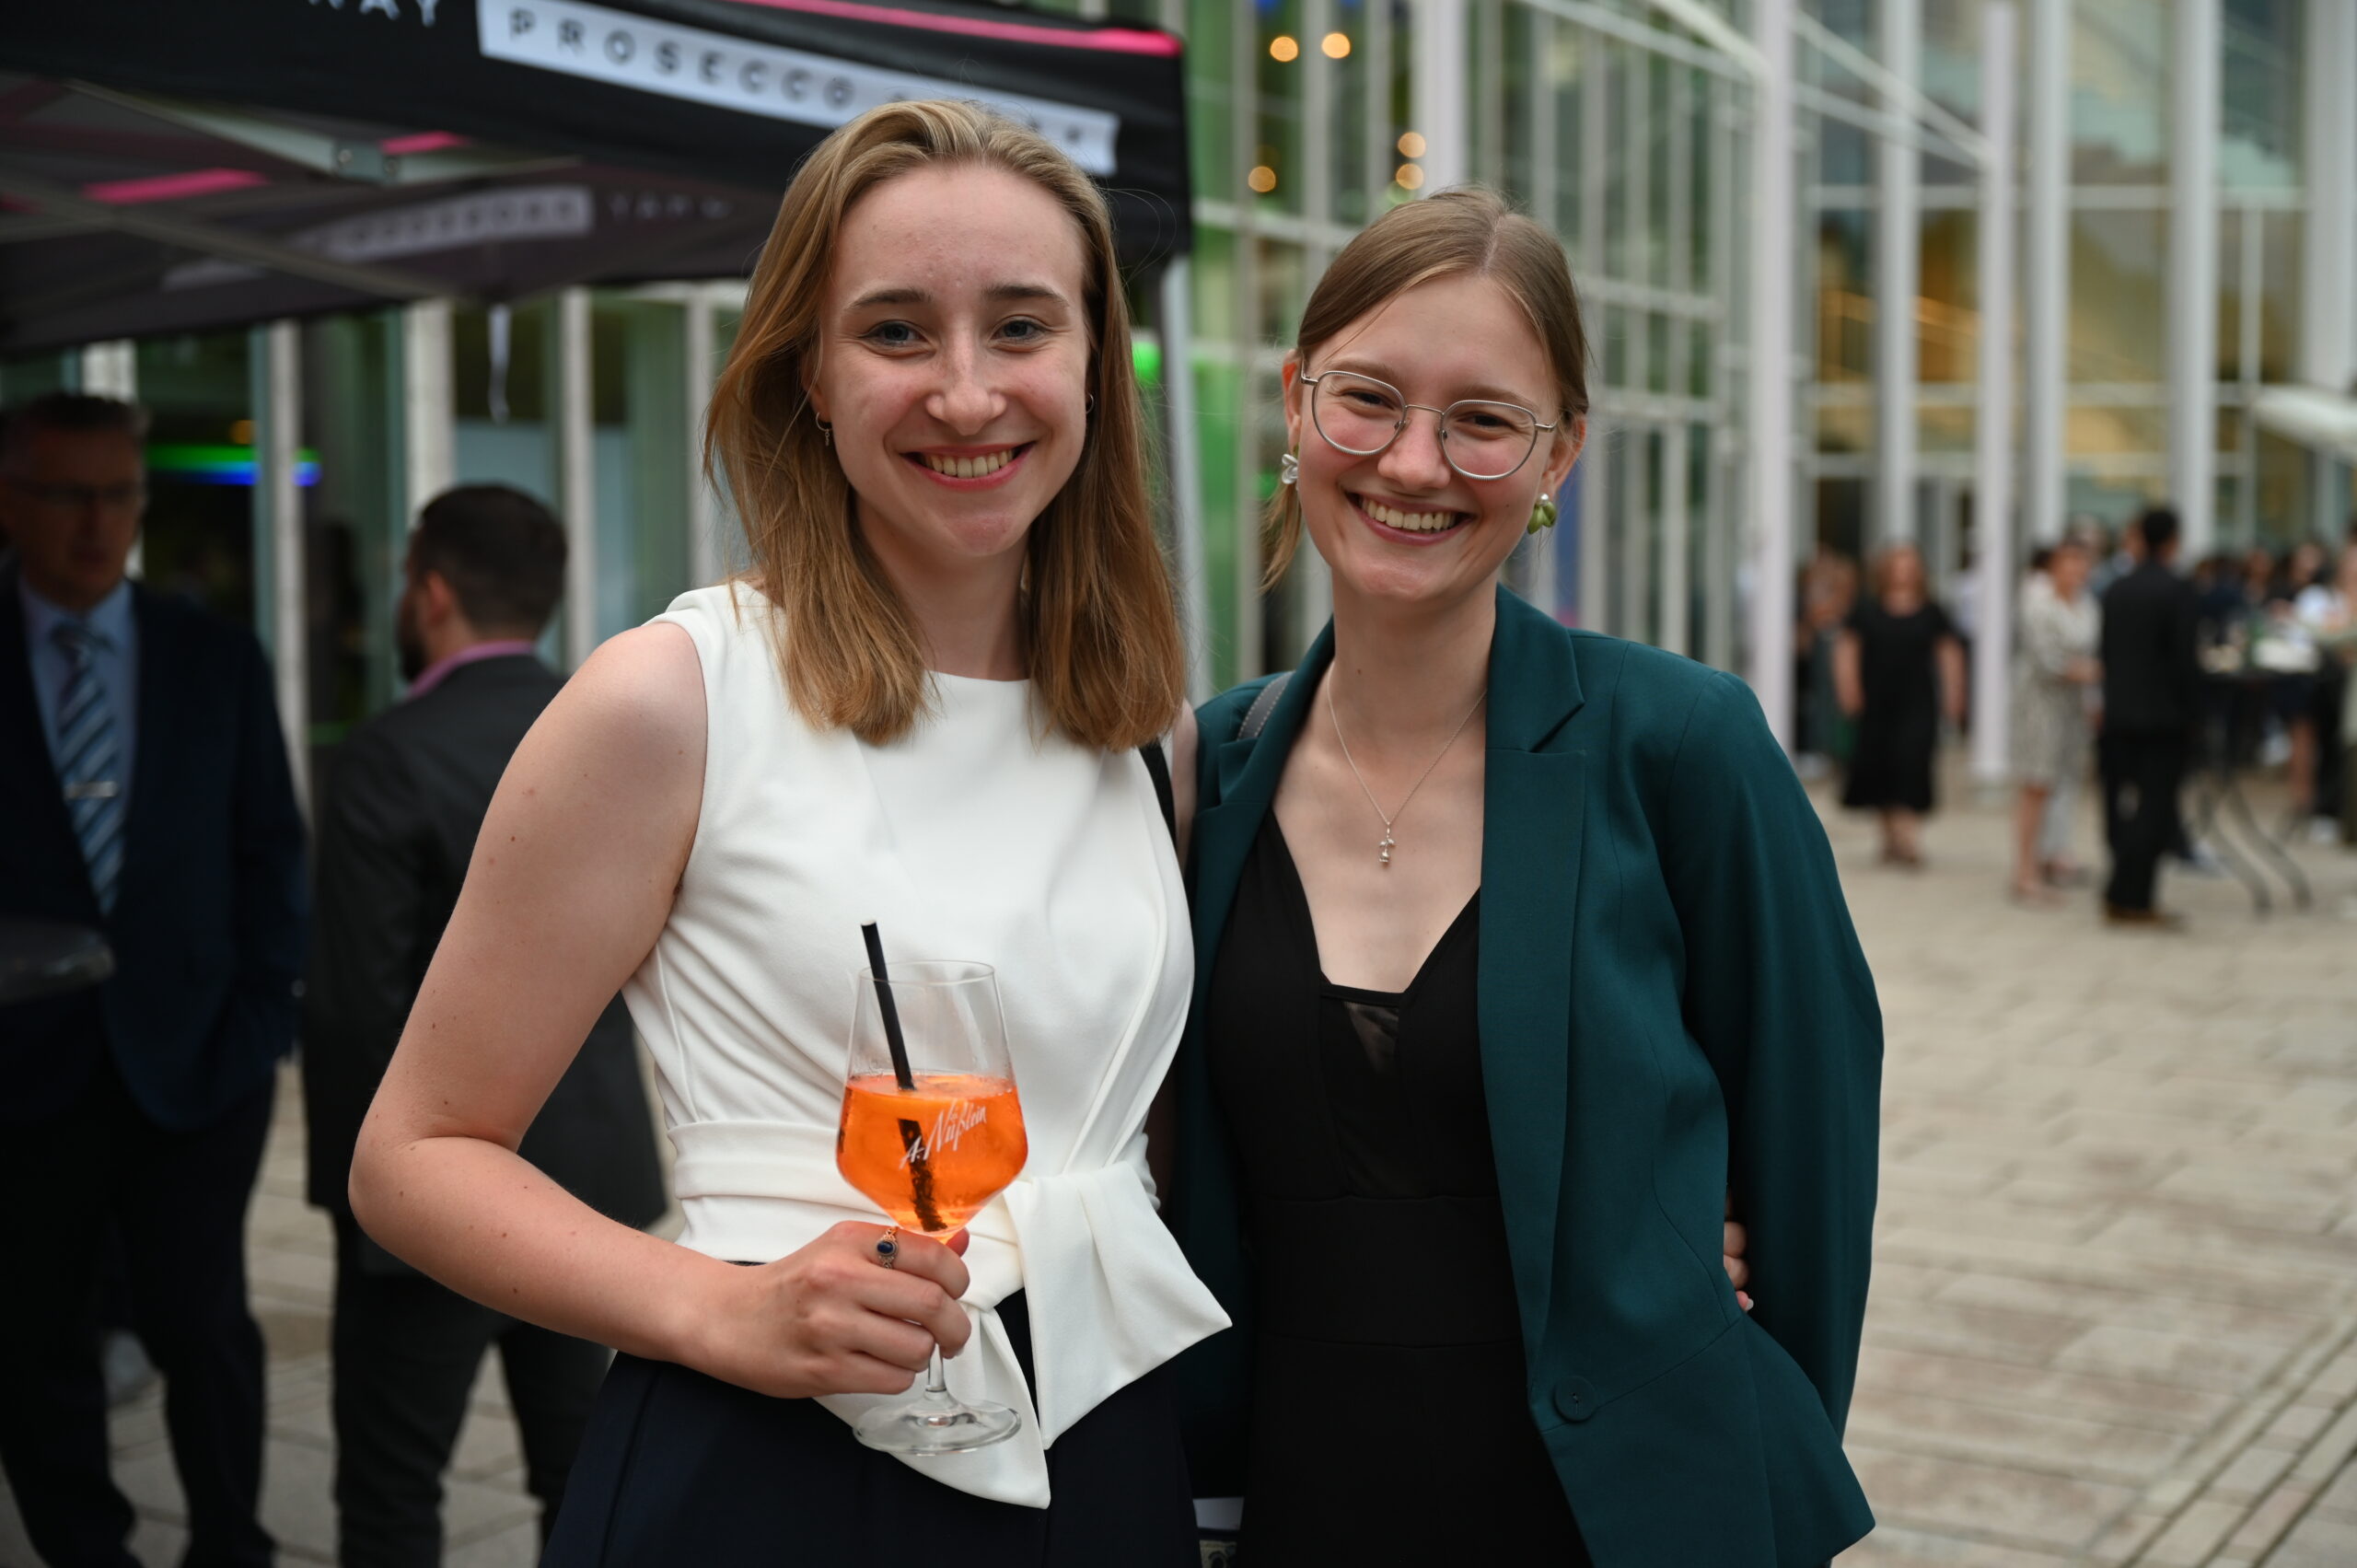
(2151, 676)
(207, 927)
(398, 820)
(1672, 1003)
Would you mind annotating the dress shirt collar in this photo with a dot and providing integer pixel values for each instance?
(475, 652)
(109, 619)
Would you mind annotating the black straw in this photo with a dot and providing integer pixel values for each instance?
(900, 1046)
(911, 1132)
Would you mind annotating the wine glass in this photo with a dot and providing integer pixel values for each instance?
(932, 1130)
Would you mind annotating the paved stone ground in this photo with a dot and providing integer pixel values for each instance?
(2115, 1308)
(2114, 1319)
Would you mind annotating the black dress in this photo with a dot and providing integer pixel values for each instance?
(681, 1470)
(1388, 1419)
(1898, 727)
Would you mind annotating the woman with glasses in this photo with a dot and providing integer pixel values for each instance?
(1520, 958)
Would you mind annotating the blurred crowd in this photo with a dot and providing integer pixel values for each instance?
(2241, 663)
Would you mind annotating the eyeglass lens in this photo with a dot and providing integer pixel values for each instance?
(1361, 416)
(79, 497)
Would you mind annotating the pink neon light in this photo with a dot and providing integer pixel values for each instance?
(1118, 40)
(423, 142)
(172, 187)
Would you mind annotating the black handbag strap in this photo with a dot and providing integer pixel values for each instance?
(1158, 767)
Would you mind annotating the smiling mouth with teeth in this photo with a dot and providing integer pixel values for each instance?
(981, 466)
(1409, 522)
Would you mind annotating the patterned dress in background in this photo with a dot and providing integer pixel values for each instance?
(2052, 734)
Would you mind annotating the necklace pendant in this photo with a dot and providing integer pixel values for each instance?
(1384, 849)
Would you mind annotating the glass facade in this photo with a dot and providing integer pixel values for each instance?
(1624, 130)
(2116, 357)
(1614, 131)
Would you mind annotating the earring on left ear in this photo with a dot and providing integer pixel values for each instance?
(1289, 469)
(1543, 514)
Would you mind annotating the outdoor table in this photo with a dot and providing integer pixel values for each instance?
(41, 958)
(2218, 791)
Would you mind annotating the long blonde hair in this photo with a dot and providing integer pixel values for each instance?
(1467, 230)
(1106, 663)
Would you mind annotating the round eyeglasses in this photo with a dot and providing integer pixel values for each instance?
(1360, 415)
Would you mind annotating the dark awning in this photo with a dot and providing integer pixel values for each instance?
(175, 167)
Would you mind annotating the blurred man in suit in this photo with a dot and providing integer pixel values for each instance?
(2152, 695)
(144, 780)
(398, 821)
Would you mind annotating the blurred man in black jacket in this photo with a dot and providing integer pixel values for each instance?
(2152, 689)
(145, 787)
(397, 827)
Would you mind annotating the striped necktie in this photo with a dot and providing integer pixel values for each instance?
(89, 760)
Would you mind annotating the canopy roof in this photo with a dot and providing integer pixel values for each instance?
(172, 168)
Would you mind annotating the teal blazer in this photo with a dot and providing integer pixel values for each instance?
(1672, 1003)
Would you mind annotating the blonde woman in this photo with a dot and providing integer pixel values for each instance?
(1521, 948)
(924, 705)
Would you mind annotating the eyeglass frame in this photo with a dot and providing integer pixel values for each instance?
(1539, 427)
(82, 497)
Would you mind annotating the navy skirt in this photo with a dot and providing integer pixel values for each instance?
(681, 1468)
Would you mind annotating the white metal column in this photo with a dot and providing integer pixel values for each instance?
(1178, 323)
(706, 562)
(1722, 479)
(1673, 618)
(1993, 477)
(428, 457)
(2046, 315)
(2194, 112)
(1898, 284)
(275, 376)
(1595, 524)
(2328, 338)
(1436, 91)
(1771, 241)
(572, 427)
(111, 369)
(1312, 582)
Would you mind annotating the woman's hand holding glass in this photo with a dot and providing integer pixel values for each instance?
(827, 1320)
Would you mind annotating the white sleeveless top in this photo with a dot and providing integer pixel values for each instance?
(971, 838)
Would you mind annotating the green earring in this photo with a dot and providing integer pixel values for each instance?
(1543, 514)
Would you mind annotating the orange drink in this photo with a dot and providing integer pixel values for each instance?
(931, 1156)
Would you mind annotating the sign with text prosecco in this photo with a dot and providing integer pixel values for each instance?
(593, 142)
(701, 67)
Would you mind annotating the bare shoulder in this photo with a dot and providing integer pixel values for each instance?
(621, 748)
(648, 682)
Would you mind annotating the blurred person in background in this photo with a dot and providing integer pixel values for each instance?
(2151, 684)
(1828, 587)
(2334, 617)
(145, 773)
(2115, 556)
(2319, 607)
(1898, 668)
(2053, 670)
(397, 823)
(2218, 589)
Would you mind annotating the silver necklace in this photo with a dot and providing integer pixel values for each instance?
(1384, 849)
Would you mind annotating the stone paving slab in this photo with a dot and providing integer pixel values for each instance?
(2114, 1320)
(2115, 1311)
